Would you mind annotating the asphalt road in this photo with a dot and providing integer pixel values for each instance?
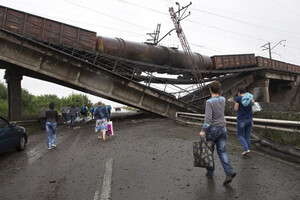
(145, 159)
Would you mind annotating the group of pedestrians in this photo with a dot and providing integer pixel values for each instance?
(214, 127)
(48, 119)
(73, 113)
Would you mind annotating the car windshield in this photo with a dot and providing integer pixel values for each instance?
(2, 122)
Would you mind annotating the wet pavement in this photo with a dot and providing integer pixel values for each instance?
(150, 159)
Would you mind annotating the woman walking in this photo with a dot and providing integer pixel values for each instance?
(102, 117)
(243, 104)
(73, 115)
(51, 125)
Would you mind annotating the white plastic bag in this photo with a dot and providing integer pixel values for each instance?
(256, 107)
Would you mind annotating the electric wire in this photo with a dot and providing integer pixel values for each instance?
(113, 17)
(153, 10)
(244, 22)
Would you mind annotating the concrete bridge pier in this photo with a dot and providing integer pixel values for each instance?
(266, 94)
(264, 84)
(13, 78)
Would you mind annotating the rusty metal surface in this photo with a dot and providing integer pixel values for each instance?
(277, 65)
(151, 54)
(78, 74)
(46, 30)
(234, 61)
(166, 60)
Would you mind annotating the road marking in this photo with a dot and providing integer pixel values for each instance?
(106, 186)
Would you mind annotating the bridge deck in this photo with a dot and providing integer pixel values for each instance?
(49, 64)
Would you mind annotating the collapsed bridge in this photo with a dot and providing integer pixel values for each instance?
(123, 71)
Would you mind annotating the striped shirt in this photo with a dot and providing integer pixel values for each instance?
(214, 113)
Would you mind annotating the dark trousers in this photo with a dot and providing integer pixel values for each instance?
(42, 121)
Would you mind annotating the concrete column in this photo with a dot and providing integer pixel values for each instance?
(298, 79)
(13, 78)
(266, 94)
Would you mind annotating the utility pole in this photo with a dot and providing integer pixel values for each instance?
(176, 18)
(268, 47)
(155, 35)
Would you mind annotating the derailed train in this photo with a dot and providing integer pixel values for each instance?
(57, 33)
(147, 53)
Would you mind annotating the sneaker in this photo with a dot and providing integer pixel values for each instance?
(229, 178)
(244, 153)
(49, 148)
(209, 176)
(53, 145)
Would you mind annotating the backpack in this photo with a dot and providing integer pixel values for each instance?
(98, 113)
(92, 110)
(83, 110)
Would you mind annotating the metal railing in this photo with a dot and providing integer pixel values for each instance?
(272, 124)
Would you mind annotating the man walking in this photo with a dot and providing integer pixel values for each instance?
(214, 128)
(65, 113)
(42, 117)
(51, 125)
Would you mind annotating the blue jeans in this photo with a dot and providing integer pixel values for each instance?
(73, 119)
(244, 127)
(51, 127)
(218, 136)
(65, 117)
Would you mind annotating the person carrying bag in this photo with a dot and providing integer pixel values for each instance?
(203, 156)
(215, 132)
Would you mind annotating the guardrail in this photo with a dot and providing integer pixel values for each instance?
(281, 125)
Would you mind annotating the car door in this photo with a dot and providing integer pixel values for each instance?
(8, 137)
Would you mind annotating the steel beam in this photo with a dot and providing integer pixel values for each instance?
(66, 70)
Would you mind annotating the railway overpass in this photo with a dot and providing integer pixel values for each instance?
(70, 56)
(22, 56)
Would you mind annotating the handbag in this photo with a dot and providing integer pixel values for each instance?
(256, 107)
(203, 156)
(110, 131)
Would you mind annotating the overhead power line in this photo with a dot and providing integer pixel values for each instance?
(283, 6)
(97, 11)
(229, 31)
(245, 22)
(245, 15)
(140, 6)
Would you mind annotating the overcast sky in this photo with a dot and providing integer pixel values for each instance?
(215, 27)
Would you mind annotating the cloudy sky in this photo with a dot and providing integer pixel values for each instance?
(215, 27)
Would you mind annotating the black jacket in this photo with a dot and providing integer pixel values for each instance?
(51, 116)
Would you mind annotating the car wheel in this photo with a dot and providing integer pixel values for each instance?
(22, 144)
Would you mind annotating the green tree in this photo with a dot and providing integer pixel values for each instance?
(3, 100)
(3, 91)
(78, 100)
(3, 108)
(32, 103)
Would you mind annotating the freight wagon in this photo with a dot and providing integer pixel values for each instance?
(64, 35)
(46, 30)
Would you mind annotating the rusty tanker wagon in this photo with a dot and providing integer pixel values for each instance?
(147, 57)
